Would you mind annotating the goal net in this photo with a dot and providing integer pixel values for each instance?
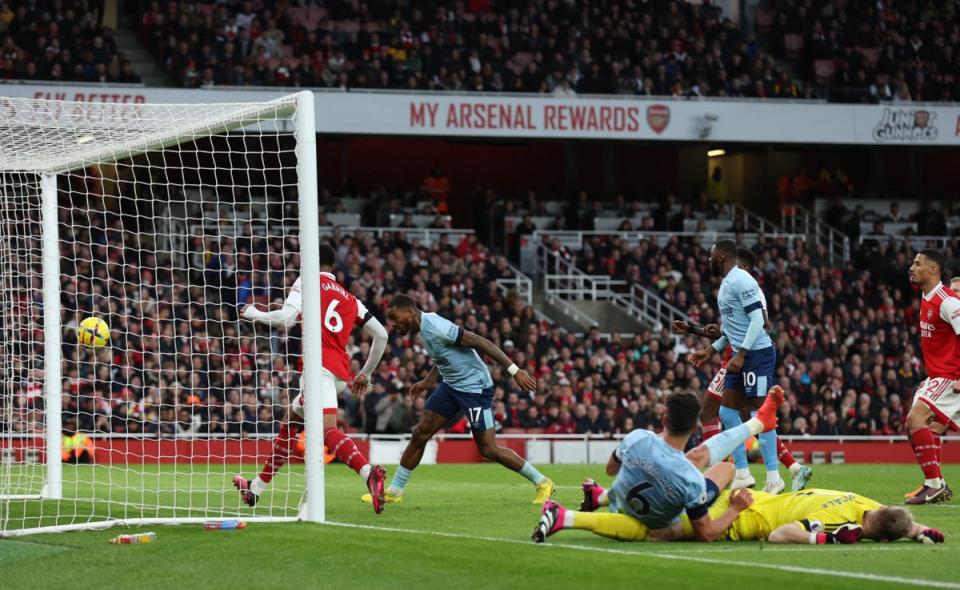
(163, 221)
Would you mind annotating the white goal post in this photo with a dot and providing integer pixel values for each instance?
(163, 220)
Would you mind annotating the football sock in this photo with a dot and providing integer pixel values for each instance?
(711, 429)
(530, 472)
(925, 449)
(400, 477)
(612, 526)
(768, 449)
(794, 468)
(346, 450)
(729, 442)
(282, 446)
(786, 459)
(731, 419)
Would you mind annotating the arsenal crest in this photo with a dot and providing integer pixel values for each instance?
(658, 117)
(929, 313)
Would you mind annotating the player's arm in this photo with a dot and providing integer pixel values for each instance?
(921, 533)
(373, 328)
(753, 306)
(285, 317)
(613, 463)
(482, 345)
(813, 531)
(950, 313)
(426, 384)
(707, 529)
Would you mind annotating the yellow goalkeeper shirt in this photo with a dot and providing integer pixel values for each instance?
(815, 510)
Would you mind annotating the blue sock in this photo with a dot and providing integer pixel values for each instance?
(727, 442)
(530, 472)
(731, 419)
(768, 449)
(400, 477)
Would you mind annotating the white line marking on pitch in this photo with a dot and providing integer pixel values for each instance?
(673, 556)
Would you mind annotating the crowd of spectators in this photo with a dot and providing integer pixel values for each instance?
(563, 48)
(59, 42)
(180, 362)
(874, 51)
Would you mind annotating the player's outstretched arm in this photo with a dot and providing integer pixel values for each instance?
(378, 333)
(789, 533)
(285, 317)
(481, 344)
(921, 533)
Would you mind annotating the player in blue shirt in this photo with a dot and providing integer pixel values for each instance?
(750, 371)
(466, 387)
(656, 482)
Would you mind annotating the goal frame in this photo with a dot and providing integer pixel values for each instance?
(300, 108)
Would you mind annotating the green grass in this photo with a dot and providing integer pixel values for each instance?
(465, 526)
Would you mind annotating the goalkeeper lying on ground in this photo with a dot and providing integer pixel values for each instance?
(806, 516)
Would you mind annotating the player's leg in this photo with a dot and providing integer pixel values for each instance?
(710, 412)
(731, 440)
(250, 490)
(730, 416)
(343, 446)
(758, 377)
(484, 435)
(924, 412)
(422, 432)
(594, 496)
(799, 474)
(555, 518)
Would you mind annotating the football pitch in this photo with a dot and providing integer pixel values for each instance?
(468, 526)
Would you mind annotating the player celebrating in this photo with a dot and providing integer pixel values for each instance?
(750, 370)
(340, 312)
(937, 399)
(709, 418)
(467, 386)
(656, 482)
(816, 517)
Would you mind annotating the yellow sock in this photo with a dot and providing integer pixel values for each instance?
(613, 526)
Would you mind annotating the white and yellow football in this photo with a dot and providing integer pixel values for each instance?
(93, 332)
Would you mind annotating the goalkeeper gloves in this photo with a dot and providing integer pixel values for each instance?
(930, 537)
(844, 535)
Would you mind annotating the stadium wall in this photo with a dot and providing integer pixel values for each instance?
(536, 116)
(128, 450)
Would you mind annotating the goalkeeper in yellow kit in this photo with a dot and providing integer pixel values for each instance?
(807, 516)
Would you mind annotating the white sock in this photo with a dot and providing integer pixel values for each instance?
(568, 519)
(755, 426)
(602, 500)
(795, 469)
(935, 483)
(258, 486)
(396, 493)
(774, 477)
(365, 472)
(743, 473)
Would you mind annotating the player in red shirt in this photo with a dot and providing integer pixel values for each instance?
(936, 405)
(340, 311)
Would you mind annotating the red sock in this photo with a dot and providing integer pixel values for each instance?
(925, 448)
(282, 445)
(784, 453)
(711, 429)
(939, 443)
(344, 448)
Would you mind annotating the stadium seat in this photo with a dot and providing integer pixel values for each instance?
(793, 43)
(824, 69)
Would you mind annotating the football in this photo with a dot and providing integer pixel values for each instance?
(93, 332)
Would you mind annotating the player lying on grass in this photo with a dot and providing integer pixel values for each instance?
(936, 404)
(710, 416)
(656, 482)
(806, 517)
(467, 387)
(340, 311)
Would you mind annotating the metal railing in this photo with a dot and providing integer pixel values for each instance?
(798, 219)
(575, 239)
(916, 242)
(519, 282)
(563, 280)
(755, 223)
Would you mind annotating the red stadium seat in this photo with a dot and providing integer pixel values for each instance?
(763, 19)
(824, 68)
(872, 54)
(793, 43)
